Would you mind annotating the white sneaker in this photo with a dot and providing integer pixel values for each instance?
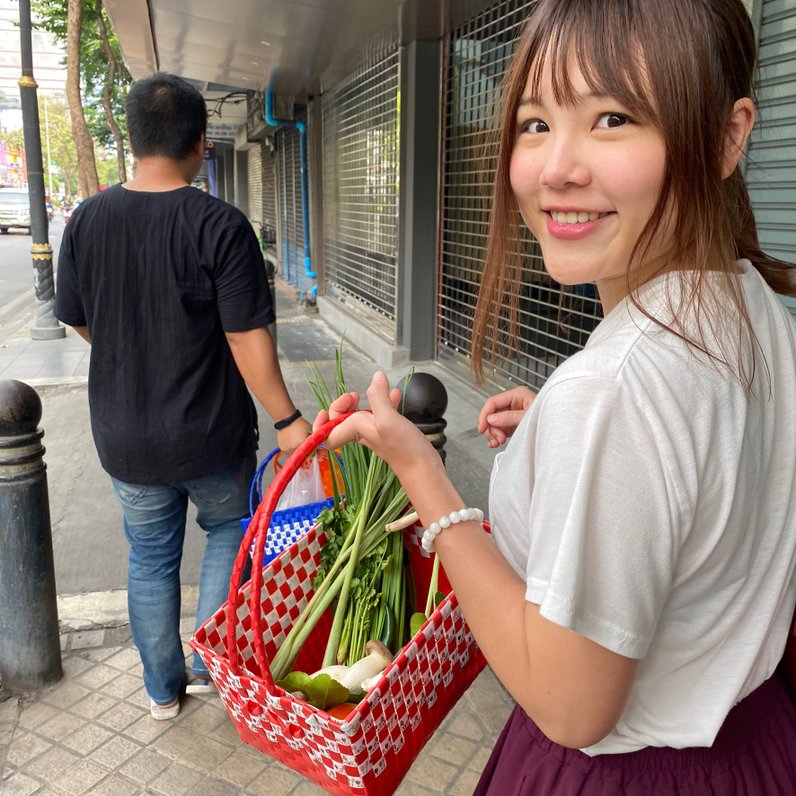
(200, 685)
(164, 712)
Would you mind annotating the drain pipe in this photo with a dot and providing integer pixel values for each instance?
(305, 210)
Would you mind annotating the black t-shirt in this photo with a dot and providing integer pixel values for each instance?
(158, 278)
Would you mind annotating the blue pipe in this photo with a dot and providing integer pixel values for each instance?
(305, 210)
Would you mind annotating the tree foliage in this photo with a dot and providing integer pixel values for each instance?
(100, 59)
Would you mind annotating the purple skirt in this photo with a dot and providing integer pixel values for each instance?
(754, 754)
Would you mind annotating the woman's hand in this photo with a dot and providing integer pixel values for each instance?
(502, 413)
(387, 433)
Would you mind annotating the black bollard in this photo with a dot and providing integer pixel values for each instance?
(30, 651)
(425, 400)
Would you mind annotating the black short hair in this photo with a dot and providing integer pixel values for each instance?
(166, 116)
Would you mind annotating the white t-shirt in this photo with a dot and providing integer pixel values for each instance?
(650, 506)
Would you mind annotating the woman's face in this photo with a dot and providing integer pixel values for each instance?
(586, 178)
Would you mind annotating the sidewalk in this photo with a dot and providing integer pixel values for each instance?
(91, 733)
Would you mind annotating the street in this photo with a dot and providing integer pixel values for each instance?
(16, 271)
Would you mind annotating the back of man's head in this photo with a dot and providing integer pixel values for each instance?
(165, 116)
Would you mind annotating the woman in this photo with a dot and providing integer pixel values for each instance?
(640, 587)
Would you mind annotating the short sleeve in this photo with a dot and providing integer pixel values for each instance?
(242, 293)
(604, 516)
(68, 303)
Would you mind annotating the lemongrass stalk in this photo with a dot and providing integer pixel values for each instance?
(433, 587)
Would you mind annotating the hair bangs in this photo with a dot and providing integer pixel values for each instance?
(603, 42)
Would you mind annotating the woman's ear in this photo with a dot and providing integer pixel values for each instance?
(741, 122)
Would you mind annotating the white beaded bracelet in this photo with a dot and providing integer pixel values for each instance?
(433, 530)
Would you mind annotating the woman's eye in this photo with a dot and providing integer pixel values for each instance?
(534, 126)
(608, 120)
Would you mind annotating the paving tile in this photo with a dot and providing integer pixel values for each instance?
(87, 739)
(100, 653)
(431, 773)
(206, 718)
(145, 730)
(465, 783)
(479, 760)
(175, 780)
(116, 785)
(121, 686)
(145, 766)
(216, 787)
(115, 752)
(93, 705)
(124, 660)
(73, 665)
(307, 788)
(34, 715)
(86, 639)
(25, 747)
(276, 780)
(240, 768)
(97, 676)
(200, 752)
(81, 777)
(9, 711)
(19, 784)
(65, 695)
(450, 748)
(120, 716)
(50, 765)
(62, 725)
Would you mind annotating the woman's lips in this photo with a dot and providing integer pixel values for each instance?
(566, 230)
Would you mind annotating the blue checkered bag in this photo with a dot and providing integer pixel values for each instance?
(287, 525)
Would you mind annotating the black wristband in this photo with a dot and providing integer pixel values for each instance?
(280, 424)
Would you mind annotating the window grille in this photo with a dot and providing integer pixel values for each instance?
(552, 325)
(361, 159)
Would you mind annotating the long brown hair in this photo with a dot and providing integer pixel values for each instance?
(680, 65)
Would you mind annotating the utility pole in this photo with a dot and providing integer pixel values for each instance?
(45, 326)
(49, 156)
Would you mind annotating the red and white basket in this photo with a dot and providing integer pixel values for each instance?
(370, 752)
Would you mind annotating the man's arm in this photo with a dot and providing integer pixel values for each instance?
(83, 332)
(255, 355)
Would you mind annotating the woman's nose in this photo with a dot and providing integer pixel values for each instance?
(565, 164)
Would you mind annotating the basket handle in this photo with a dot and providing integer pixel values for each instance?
(257, 532)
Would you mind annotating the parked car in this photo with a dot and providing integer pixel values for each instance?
(14, 209)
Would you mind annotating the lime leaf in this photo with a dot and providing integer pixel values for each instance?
(416, 622)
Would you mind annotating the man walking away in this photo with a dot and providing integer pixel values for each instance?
(168, 285)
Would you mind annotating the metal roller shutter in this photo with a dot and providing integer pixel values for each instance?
(268, 196)
(552, 325)
(771, 174)
(291, 220)
(361, 160)
(255, 174)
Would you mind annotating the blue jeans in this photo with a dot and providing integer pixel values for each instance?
(154, 523)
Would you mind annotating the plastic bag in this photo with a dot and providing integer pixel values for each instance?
(306, 486)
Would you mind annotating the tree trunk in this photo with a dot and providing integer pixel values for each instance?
(88, 183)
(106, 94)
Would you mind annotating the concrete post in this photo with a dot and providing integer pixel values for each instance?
(425, 400)
(30, 652)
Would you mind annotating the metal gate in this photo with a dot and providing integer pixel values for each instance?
(255, 182)
(268, 196)
(361, 160)
(291, 220)
(552, 323)
(771, 174)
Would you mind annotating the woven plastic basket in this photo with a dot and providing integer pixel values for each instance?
(369, 753)
(286, 525)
